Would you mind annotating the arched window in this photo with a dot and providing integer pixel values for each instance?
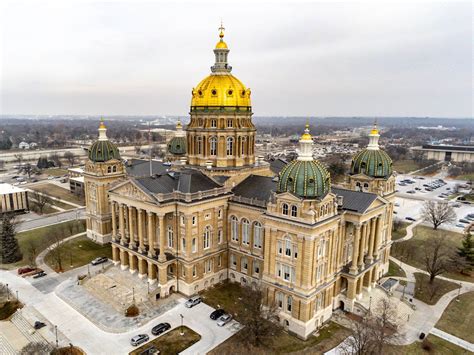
(230, 146)
(280, 300)
(170, 237)
(193, 245)
(109, 169)
(234, 228)
(114, 169)
(287, 246)
(294, 211)
(213, 145)
(289, 303)
(199, 145)
(244, 264)
(207, 237)
(257, 235)
(284, 209)
(245, 231)
(244, 140)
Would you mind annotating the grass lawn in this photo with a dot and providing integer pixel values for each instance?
(58, 192)
(401, 231)
(412, 251)
(457, 318)
(430, 294)
(54, 172)
(467, 177)
(171, 343)
(80, 251)
(405, 166)
(226, 296)
(395, 270)
(438, 347)
(42, 238)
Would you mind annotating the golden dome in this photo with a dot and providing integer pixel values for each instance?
(306, 136)
(221, 45)
(221, 90)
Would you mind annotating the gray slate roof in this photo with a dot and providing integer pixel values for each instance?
(186, 181)
(141, 167)
(277, 164)
(255, 186)
(355, 201)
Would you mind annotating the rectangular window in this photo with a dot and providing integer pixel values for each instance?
(244, 265)
(286, 273)
(233, 261)
(256, 267)
(219, 214)
(183, 245)
(194, 271)
(183, 271)
(194, 220)
(279, 247)
(288, 248)
(219, 260)
(193, 245)
(219, 236)
(295, 252)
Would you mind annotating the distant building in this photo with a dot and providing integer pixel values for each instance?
(13, 199)
(455, 153)
(23, 145)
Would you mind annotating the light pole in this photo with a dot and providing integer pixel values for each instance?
(182, 333)
(459, 292)
(8, 294)
(370, 303)
(70, 256)
(17, 295)
(56, 332)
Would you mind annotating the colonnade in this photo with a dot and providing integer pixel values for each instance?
(367, 239)
(137, 229)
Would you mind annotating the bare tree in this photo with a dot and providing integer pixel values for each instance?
(438, 213)
(360, 342)
(18, 157)
(32, 249)
(27, 169)
(437, 256)
(57, 252)
(37, 348)
(40, 201)
(70, 157)
(258, 316)
(56, 159)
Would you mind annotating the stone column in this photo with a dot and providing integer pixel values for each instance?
(121, 225)
(141, 268)
(123, 260)
(351, 288)
(114, 222)
(162, 274)
(115, 254)
(378, 236)
(151, 236)
(162, 256)
(362, 245)
(355, 250)
(132, 263)
(370, 257)
(151, 273)
(131, 228)
(141, 245)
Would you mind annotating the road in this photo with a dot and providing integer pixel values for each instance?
(30, 221)
(82, 332)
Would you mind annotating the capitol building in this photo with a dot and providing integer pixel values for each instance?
(219, 213)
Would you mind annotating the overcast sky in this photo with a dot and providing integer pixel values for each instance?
(307, 59)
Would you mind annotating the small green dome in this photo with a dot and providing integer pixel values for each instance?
(177, 145)
(102, 151)
(305, 178)
(372, 162)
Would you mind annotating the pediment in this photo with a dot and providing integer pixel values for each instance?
(288, 197)
(130, 190)
(378, 202)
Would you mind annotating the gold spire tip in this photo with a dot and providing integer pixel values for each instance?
(221, 29)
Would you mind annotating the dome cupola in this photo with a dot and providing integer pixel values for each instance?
(305, 177)
(103, 150)
(372, 161)
(177, 144)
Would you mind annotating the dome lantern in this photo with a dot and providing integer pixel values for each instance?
(221, 51)
(103, 150)
(374, 138)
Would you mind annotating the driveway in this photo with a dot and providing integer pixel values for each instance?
(93, 340)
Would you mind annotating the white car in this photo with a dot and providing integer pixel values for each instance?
(193, 301)
(226, 318)
(139, 339)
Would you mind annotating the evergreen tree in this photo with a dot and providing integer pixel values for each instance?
(467, 249)
(9, 248)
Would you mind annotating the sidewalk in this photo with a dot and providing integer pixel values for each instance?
(453, 339)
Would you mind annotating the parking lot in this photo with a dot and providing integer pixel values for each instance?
(411, 204)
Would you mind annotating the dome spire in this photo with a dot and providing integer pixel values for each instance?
(305, 152)
(374, 138)
(102, 131)
(221, 51)
(179, 129)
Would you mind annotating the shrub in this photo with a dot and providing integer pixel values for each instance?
(132, 311)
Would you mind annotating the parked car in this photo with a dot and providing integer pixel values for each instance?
(160, 328)
(39, 274)
(397, 204)
(39, 325)
(193, 301)
(217, 314)
(139, 339)
(417, 189)
(99, 260)
(460, 225)
(462, 220)
(24, 270)
(411, 192)
(226, 318)
(410, 219)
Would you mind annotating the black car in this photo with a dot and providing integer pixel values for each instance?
(410, 219)
(217, 314)
(39, 325)
(39, 274)
(160, 328)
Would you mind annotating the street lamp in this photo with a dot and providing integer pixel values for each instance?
(370, 303)
(8, 294)
(182, 333)
(56, 332)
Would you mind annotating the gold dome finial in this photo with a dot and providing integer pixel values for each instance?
(178, 124)
(374, 129)
(221, 29)
(221, 44)
(102, 125)
(306, 135)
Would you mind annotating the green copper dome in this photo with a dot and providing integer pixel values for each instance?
(177, 145)
(305, 178)
(375, 163)
(102, 151)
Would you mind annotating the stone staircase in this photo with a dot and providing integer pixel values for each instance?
(26, 329)
(5, 347)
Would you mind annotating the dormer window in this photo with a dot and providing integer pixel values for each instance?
(294, 211)
(284, 209)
